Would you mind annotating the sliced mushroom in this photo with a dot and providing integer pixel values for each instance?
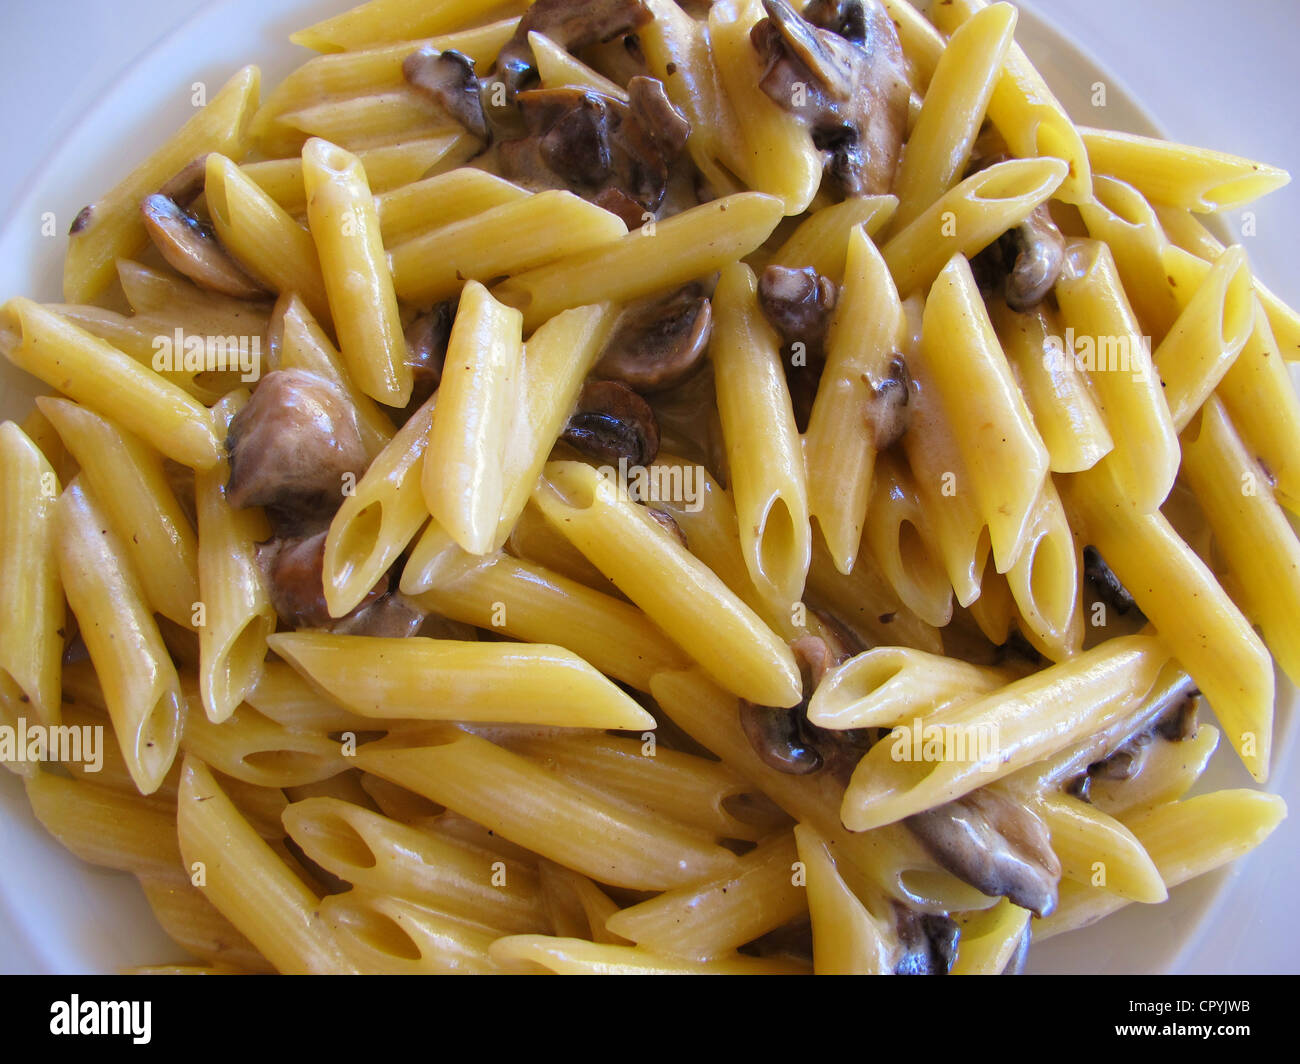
(190, 247)
(1039, 254)
(669, 522)
(1173, 708)
(426, 347)
(184, 186)
(889, 408)
(844, 75)
(449, 80)
(786, 740)
(611, 423)
(1174, 720)
(1179, 723)
(659, 343)
(390, 616)
(615, 154)
(799, 304)
(293, 571)
(571, 26)
(928, 941)
(1107, 584)
(1000, 847)
(290, 448)
(1124, 763)
(779, 738)
(82, 220)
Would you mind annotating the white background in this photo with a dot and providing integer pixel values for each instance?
(1210, 72)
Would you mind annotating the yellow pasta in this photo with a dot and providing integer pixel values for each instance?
(648, 565)
(955, 101)
(242, 876)
(102, 378)
(969, 217)
(840, 445)
(692, 244)
(141, 688)
(345, 229)
(31, 598)
(112, 227)
(1180, 176)
(441, 679)
(463, 475)
(763, 450)
(237, 612)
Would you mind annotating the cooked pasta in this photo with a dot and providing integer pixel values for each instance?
(631, 488)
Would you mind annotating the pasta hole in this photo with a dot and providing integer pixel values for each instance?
(379, 932)
(336, 845)
(286, 768)
(356, 544)
(244, 659)
(777, 546)
(158, 738)
(1053, 581)
(330, 156)
(1122, 201)
(1238, 308)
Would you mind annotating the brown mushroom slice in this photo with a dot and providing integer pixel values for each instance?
(426, 347)
(657, 116)
(928, 941)
(1126, 762)
(778, 739)
(612, 153)
(389, 616)
(657, 345)
(799, 303)
(290, 448)
(846, 79)
(571, 26)
(669, 522)
(786, 740)
(889, 409)
(612, 424)
(1102, 577)
(1040, 254)
(1000, 847)
(184, 186)
(293, 572)
(190, 247)
(448, 79)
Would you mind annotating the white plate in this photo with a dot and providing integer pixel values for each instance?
(90, 88)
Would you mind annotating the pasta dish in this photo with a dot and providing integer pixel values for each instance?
(650, 486)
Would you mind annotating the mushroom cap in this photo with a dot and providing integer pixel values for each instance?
(612, 422)
(191, 248)
(657, 345)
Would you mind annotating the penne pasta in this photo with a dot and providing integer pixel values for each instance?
(439, 679)
(763, 450)
(1180, 176)
(112, 227)
(140, 686)
(345, 229)
(31, 596)
(649, 566)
